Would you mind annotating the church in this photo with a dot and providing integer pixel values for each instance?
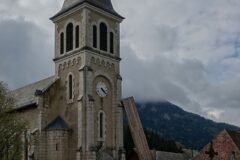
(76, 113)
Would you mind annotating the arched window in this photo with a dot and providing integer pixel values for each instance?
(103, 37)
(94, 36)
(101, 122)
(69, 37)
(70, 87)
(61, 43)
(77, 36)
(111, 42)
(101, 125)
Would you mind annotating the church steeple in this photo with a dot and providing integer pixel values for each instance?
(86, 25)
(87, 62)
(105, 5)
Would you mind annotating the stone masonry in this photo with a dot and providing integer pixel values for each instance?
(69, 119)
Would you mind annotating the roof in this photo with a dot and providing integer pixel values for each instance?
(25, 96)
(104, 156)
(235, 135)
(58, 123)
(105, 5)
(160, 155)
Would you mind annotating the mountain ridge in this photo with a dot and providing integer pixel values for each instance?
(171, 121)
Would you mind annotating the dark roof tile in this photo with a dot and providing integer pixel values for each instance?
(106, 5)
(58, 123)
(25, 96)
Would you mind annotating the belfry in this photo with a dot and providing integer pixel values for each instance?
(76, 113)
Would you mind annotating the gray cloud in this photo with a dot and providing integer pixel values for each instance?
(185, 52)
(24, 53)
(161, 78)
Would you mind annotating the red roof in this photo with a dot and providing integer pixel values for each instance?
(235, 135)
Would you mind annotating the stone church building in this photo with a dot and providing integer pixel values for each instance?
(76, 113)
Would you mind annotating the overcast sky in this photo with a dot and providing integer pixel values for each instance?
(183, 51)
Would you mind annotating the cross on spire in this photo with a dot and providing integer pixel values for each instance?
(211, 152)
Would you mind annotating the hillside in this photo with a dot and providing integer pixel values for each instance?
(155, 142)
(191, 130)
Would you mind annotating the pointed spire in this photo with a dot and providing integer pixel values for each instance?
(69, 3)
(102, 4)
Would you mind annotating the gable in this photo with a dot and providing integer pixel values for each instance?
(235, 137)
(224, 144)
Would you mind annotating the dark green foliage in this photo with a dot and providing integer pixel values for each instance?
(6, 102)
(170, 121)
(155, 142)
(128, 141)
(11, 128)
(161, 144)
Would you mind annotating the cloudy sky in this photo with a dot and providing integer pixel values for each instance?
(183, 51)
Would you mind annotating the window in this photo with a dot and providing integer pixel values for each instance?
(103, 37)
(56, 147)
(95, 36)
(26, 144)
(101, 127)
(111, 42)
(69, 37)
(77, 37)
(62, 43)
(70, 86)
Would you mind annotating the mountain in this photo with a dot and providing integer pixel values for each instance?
(170, 121)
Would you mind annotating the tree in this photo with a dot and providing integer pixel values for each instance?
(238, 157)
(154, 141)
(11, 128)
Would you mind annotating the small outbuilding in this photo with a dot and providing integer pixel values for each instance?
(225, 146)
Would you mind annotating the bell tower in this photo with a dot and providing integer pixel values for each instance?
(87, 59)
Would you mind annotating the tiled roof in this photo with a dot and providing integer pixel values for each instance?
(104, 156)
(235, 135)
(58, 123)
(160, 155)
(26, 95)
(105, 5)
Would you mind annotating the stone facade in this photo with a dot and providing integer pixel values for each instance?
(68, 118)
(226, 147)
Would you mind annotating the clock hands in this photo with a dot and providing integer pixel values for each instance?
(103, 91)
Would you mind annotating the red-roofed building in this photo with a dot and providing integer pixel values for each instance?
(225, 146)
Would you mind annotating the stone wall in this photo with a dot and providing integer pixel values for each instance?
(57, 145)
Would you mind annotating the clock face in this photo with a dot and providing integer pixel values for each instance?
(101, 89)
